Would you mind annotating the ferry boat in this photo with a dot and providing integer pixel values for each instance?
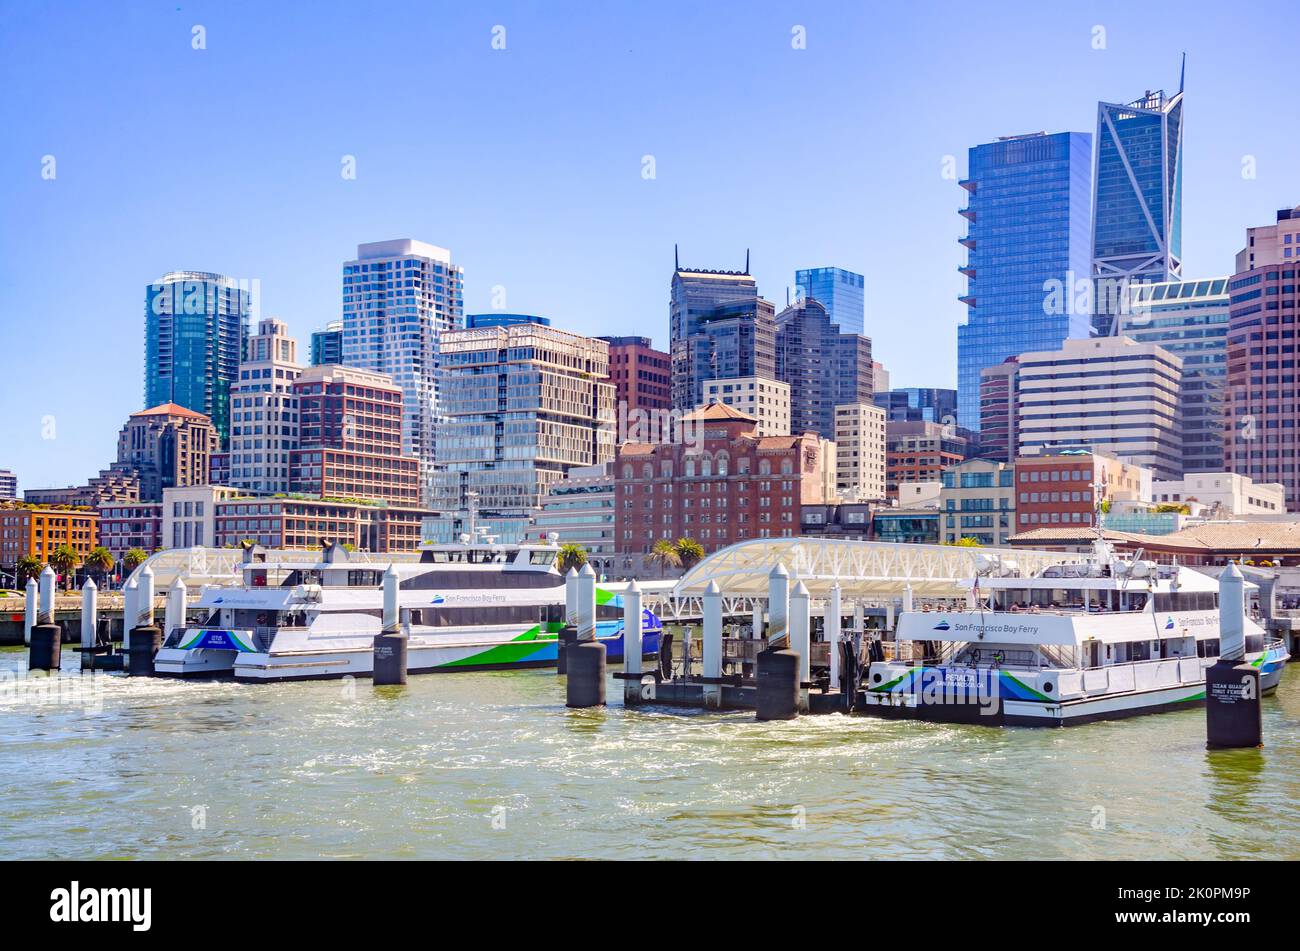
(476, 605)
(1100, 638)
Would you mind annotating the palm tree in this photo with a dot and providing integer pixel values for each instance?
(571, 556)
(664, 556)
(28, 566)
(64, 561)
(690, 552)
(133, 559)
(100, 562)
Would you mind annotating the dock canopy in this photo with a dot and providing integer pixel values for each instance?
(862, 569)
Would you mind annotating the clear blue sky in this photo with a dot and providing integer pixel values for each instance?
(526, 163)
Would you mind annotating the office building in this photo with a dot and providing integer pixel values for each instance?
(1137, 200)
(823, 367)
(1223, 493)
(349, 440)
(913, 404)
(195, 327)
(475, 321)
(860, 460)
(327, 344)
(39, 532)
(264, 411)
(8, 485)
(838, 290)
(1028, 215)
(399, 298)
(1065, 488)
(767, 401)
(579, 510)
(1190, 320)
(919, 452)
(523, 405)
(643, 389)
(1110, 395)
(127, 525)
(999, 394)
(730, 486)
(1261, 398)
(978, 500)
(718, 327)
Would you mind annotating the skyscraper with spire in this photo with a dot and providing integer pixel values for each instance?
(1137, 199)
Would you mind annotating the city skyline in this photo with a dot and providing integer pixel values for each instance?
(579, 189)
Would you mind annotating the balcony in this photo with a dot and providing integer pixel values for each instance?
(967, 242)
(967, 299)
(966, 269)
(967, 213)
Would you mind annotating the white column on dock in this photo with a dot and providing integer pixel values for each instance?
(174, 612)
(45, 611)
(712, 644)
(144, 599)
(89, 612)
(633, 629)
(128, 609)
(800, 639)
(832, 626)
(907, 599)
(889, 616)
(778, 607)
(756, 620)
(571, 596)
(586, 606)
(1232, 614)
(392, 623)
(29, 618)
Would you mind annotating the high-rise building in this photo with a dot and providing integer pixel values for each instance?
(999, 393)
(327, 344)
(8, 485)
(264, 411)
(839, 291)
(195, 327)
(766, 401)
(860, 462)
(1110, 395)
(1261, 398)
(918, 404)
(643, 388)
(1189, 319)
(823, 367)
(1137, 200)
(168, 446)
(399, 298)
(1029, 217)
(718, 327)
(523, 405)
(349, 440)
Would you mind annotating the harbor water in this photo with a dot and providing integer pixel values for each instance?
(492, 765)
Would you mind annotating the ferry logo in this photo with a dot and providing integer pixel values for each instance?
(942, 626)
(437, 599)
(218, 600)
(75, 904)
(1169, 624)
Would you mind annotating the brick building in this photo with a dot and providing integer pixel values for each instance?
(725, 486)
(643, 388)
(1061, 489)
(39, 531)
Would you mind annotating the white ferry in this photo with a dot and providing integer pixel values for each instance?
(476, 605)
(1101, 638)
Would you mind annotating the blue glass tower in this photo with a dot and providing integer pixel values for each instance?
(1138, 201)
(1029, 223)
(195, 327)
(839, 291)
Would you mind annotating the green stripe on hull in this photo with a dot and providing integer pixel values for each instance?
(511, 652)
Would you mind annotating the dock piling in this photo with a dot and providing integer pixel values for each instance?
(45, 649)
(778, 608)
(585, 606)
(1233, 714)
(29, 618)
(712, 646)
(145, 638)
(633, 630)
(831, 623)
(801, 639)
(388, 651)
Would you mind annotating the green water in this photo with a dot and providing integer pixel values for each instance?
(492, 765)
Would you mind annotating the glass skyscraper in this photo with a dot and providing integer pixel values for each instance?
(1027, 238)
(1190, 319)
(399, 297)
(195, 327)
(839, 291)
(1138, 199)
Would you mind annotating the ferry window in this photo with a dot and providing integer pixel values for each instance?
(541, 557)
(363, 578)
